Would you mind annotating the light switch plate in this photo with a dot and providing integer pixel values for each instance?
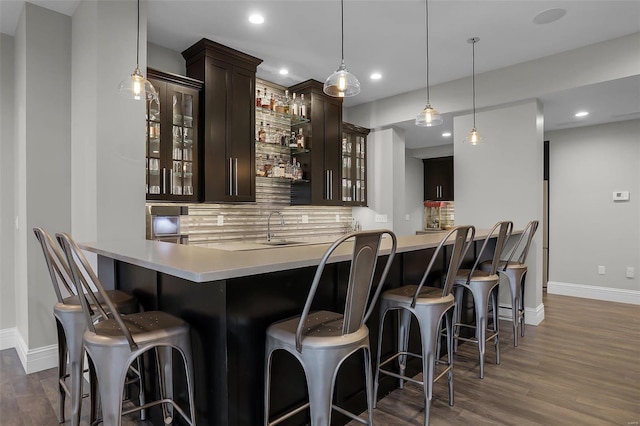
(620, 195)
(381, 218)
(631, 272)
(601, 270)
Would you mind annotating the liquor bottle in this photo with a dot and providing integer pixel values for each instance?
(267, 137)
(258, 99)
(293, 109)
(272, 102)
(300, 172)
(303, 107)
(286, 102)
(279, 105)
(293, 143)
(284, 139)
(265, 99)
(262, 134)
(300, 139)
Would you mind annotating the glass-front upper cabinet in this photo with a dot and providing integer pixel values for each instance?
(354, 165)
(172, 138)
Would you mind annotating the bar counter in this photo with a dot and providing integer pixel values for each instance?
(230, 297)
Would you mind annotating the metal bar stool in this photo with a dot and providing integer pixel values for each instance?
(516, 273)
(322, 340)
(429, 305)
(71, 324)
(483, 286)
(116, 341)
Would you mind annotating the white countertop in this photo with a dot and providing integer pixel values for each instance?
(202, 264)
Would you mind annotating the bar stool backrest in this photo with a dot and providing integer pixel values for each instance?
(504, 230)
(80, 267)
(364, 258)
(462, 239)
(528, 233)
(56, 264)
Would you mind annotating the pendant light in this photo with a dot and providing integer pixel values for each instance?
(429, 116)
(342, 83)
(136, 86)
(473, 137)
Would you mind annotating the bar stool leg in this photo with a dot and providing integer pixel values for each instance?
(481, 302)
(494, 307)
(369, 384)
(521, 312)
(457, 315)
(62, 370)
(320, 387)
(450, 342)
(404, 324)
(165, 375)
(110, 383)
(429, 332)
(383, 313)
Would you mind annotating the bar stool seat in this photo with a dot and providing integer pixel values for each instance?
(516, 273)
(321, 341)
(483, 285)
(429, 305)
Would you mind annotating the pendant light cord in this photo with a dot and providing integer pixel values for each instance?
(138, 39)
(426, 18)
(342, 27)
(473, 79)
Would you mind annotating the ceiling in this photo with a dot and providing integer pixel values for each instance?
(389, 37)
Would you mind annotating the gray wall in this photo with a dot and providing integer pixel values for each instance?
(166, 60)
(7, 84)
(587, 228)
(43, 176)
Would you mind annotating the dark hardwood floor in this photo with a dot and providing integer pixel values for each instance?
(581, 366)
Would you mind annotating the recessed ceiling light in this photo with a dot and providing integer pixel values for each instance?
(548, 16)
(284, 71)
(582, 114)
(376, 76)
(446, 135)
(256, 19)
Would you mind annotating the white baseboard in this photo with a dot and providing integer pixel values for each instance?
(594, 292)
(37, 359)
(532, 316)
(8, 338)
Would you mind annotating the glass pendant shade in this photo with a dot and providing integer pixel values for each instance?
(137, 87)
(473, 137)
(429, 117)
(342, 84)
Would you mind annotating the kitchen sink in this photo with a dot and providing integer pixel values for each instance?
(280, 242)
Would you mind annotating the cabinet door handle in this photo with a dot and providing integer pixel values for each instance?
(230, 176)
(164, 180)
(326, 184)
(331, 184)
(353, 190)
(235, 175)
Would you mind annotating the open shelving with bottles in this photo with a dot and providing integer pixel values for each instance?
(280, 136)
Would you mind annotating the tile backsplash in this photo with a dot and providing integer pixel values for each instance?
(215, 223)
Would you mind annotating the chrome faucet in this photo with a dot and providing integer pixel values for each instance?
(269, 223)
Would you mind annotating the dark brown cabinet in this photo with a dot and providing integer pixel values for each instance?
(322, 165)
(354, 165)
(438, 178)
(172, 138)
(228, 103)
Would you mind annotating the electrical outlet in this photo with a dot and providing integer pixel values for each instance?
(305, 218)
(601, 270)
(407, 217)
(631, 272)
(220, 220)
(381, 218)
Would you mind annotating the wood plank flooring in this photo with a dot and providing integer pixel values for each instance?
(581, 366)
